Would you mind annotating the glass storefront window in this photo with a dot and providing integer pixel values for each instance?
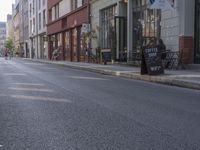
(107, 24)
(67, 45)
(146, 24)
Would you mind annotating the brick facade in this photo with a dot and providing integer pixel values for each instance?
(186, 48)
(68, 27)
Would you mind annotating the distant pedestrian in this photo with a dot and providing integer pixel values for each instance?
(6, 54)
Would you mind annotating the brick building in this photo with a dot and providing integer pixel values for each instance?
(65, 19)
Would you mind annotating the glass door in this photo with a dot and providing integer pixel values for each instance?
(121, 38)
(197, 32)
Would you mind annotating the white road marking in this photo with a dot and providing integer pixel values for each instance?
(47, 68)
(30, 89)
(40, 98)
(1, 146)
(86, 78)
(14, 74)
(34, 64)
(3, 95)
(28, 84)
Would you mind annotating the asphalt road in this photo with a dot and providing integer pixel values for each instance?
(50, 107)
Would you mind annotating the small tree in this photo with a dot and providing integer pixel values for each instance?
(87, 37)
(9, 45)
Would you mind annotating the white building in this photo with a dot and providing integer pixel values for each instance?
(2, 36)
(108, 19)
(37, 29)
(123, 27)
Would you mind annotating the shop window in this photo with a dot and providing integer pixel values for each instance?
(146, 24)
(74, 4)
(107, 27)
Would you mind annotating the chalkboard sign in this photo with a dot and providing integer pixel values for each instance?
(152, 60)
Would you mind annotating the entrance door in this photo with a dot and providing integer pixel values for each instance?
(197, 32)
(121, 36)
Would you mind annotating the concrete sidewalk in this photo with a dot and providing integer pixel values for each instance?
(183, 78)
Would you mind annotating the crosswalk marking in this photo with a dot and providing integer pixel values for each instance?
(14, 74)
(28, 84)
(30, 89)
(40, 98)
(3, 95)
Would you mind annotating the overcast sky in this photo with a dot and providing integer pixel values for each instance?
(5, 8)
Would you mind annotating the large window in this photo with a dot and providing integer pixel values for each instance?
(57, 11)
(44, 18)
(107, 27)
(146, 24)
(39, 21)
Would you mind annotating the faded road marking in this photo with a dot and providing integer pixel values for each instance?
(30, 89)
(34, 64)
(14, 74)
(40, 98)
(86, 78)
(28, 84)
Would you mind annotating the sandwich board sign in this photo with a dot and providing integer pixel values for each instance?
(151, 61)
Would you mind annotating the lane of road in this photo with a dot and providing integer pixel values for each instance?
(52, 107)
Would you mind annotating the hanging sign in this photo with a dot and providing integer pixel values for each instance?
(161, 4)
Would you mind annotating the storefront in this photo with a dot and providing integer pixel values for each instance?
(109, 21)
(174, 24)
(146, 24)
(65, 32)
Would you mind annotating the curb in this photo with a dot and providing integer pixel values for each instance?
(155, 79)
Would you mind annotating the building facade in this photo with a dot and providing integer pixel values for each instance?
(16, 24)
(109, 21)
(178, 27)
(24, 28)
(124, 27)
(37, 29)
(65, 20)
(9, 27)
(2, 36)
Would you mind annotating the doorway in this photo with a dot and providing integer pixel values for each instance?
(197, 32)
(121, 38)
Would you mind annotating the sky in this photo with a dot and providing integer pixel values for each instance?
(5, 8)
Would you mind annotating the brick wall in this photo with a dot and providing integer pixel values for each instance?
(186, 45)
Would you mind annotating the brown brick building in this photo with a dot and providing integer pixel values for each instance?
(65, 19)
